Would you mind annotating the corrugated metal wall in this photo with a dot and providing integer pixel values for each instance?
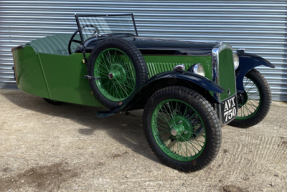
(259, 26)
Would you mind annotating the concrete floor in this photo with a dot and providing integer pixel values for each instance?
(67, 148)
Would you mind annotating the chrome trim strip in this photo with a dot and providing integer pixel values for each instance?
(215, 64)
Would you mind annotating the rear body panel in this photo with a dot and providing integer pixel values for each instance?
(57, 77)
(65, 79)
(29, 73)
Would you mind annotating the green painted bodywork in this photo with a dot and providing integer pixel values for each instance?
(158, 64)
(226, 73)
(61, 77)
(57, 77)
(29, 73)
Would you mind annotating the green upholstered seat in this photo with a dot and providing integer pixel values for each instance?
(56, 44)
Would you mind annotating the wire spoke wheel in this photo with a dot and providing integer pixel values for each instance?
(178, 130)
(250, 105)
(120, 70)
(254, 103)
(182, 128)
(117, 74)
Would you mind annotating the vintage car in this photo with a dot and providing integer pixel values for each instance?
(188, 90)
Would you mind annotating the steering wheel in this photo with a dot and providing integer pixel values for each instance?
(78, 30)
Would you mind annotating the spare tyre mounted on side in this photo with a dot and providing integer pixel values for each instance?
(121, 69)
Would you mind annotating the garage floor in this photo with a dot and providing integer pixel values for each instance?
(67, 148)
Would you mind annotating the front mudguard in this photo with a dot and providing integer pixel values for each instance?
(172, 78)
(248, 61)
(166, 79)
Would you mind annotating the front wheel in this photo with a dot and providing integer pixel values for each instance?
(255, 102)
(182, 128)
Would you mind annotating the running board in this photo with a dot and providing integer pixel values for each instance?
(103, 114)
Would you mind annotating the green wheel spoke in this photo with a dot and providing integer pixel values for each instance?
(252, 94)
(165, 112)
(163, 125)
(103, 75)
(187, 150)
(122, 88)
(163, 128)
(192, 146)
(251, 105)
(253, 98)
(171, 112)
(126, 85)
(180, 109)
(249, 112)
(171, 115)
(191, 117)
(182, 149)
(250, 88)
(185, 111)
(163, 118)
(104, 63)
(163, 131)
(178, 147)
(106, 83)
(197, 142)
(117, 70)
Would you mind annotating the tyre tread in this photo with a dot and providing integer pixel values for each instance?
(127, 47)
(264, 106)
(212, 119)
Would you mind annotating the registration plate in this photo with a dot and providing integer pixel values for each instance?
(229, 110)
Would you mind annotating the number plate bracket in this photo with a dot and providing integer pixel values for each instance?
(227, 110)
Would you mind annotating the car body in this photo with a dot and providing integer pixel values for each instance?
(44, 68)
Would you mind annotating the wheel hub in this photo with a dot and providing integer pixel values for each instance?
(242, 99)
(117, 73)
(181, 128)
(111, 75)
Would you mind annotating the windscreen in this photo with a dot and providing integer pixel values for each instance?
(105, 25)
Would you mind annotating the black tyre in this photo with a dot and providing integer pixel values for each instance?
(182, 128)
(255, 102)
(53, 102)
(121, 68)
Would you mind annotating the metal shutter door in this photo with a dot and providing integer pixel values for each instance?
(259, 26)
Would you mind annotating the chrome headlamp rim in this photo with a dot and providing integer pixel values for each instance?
(235, 60)
(198, 69)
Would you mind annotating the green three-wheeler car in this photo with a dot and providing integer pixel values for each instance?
(188, 90)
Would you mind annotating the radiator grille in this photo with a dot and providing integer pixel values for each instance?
(226, 73)
(156, 68)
